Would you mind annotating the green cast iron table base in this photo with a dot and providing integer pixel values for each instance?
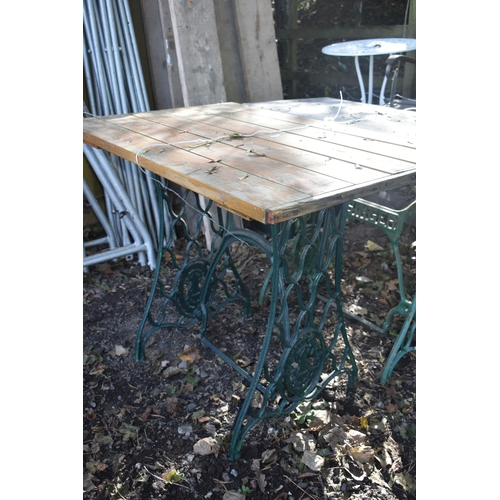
(207, 280)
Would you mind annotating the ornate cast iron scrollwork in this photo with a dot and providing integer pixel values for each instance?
(304, 364)
(188, 288)
(302, 253)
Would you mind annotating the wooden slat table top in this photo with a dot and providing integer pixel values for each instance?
(263, 164)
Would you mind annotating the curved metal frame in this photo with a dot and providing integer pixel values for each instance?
(208, 280)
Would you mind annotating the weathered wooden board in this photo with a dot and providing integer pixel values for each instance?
(155, 41)
(232, 66)
(270, 177)
(307, 135)
(198, 52)
(257, 47)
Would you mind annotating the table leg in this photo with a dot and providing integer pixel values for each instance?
(314, 348)
(305, 345)
(403, 344)
(370, 81)
(190, 266)
(360, 79)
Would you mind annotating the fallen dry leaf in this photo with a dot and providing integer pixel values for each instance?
(302, 441)
(312, 460)
(261, 478)
(373, 247)
(358, 310)
(362, 454)
(190, 354)
(173, 405)
(98, 370)
(206, 446)
(355, 437)
(120, 350)
(172, 371)
(88, 485)
(269, 456)
(233, 495)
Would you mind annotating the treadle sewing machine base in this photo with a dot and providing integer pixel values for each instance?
(302, 257)
(292, 174)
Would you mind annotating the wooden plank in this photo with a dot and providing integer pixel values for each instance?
(317, 162)
(352, 149)
(227, 186)
(269, 177)
(361, 120)
(171, 62)
(330, 142)
(340, 162)
(296, 208)
(257, 47)
(368, 121)
(310, 173)
(232, 67)
(289, 168)
(198, 53)
(155, 42)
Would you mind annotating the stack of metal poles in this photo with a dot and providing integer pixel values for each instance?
(115, 85)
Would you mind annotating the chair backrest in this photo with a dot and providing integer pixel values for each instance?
(393, 63)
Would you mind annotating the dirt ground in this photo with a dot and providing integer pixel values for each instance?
(143, 422)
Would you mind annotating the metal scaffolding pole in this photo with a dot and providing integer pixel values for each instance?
(115, 83)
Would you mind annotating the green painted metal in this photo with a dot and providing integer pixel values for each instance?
(403, 344)
(307, 353)
(390, 221)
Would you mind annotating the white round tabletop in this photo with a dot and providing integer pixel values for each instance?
(371, 47)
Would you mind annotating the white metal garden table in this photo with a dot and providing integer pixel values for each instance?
(370, 48)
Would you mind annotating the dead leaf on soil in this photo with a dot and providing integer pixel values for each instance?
(312, 460)
(261, 478)
(358, 310)
(335, 436)
(88, 485)
(390, 408)
(355, 437)
(363, 423)
(321, 419)
(120, 350)
(146, 414)
(98, 370)
(173, 405)
(365, 255)
(363, 280)
(190, 354)
(128, 432)
(206, 446)
(233, 495)
(94, 466)
(302, 441)
(171, 371)
(373, 247)
(362, 454)
(269, 456)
